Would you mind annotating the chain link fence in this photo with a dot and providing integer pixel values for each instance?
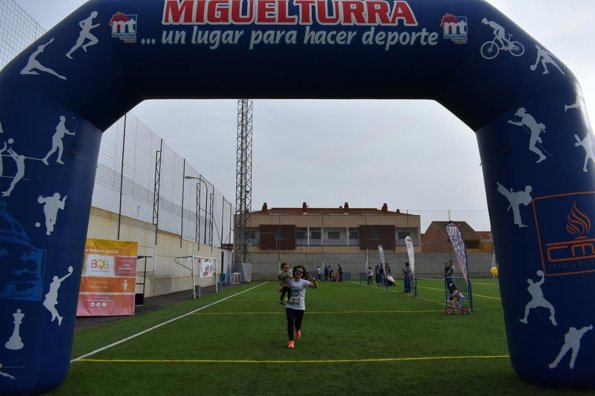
(134, 163)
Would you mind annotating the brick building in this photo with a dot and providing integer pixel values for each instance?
(435, 239)
(331, 230)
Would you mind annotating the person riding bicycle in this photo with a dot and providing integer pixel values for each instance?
(499, 32)
(453, 293)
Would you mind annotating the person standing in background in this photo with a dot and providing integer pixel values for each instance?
(449, 273)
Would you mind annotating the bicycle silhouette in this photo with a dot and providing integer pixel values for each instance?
(491, 49)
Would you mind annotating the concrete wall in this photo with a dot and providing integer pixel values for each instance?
(163, 275)
(430, 265)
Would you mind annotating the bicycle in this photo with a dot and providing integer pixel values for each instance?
(451, 308)
(491, 49)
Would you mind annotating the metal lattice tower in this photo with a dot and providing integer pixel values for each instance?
(243, 181)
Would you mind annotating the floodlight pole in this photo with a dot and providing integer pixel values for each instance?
(182, 214)
(243, 182)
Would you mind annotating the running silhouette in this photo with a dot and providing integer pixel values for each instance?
(535, 129)
(20, 163)
(516, 199)
(51, 205)
(85, 34)
(33, 65)
(538, 300)
(57, 144)
(587, 145)
(51, 298)
(572, 340)
(545, 58)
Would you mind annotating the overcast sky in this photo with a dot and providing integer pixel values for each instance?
(330, 152)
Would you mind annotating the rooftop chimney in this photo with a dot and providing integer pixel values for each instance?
(385, 208)
(346, 206)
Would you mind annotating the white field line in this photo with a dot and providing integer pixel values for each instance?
(161, 324)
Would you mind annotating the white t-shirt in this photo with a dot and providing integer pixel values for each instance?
(297, 295)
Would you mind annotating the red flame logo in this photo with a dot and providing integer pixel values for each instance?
(577, 223)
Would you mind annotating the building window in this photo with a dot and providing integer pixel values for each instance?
(353, 234)
(374, 235)
(334, 235)
(404, 234)
(252, 235)
(281, 235)
(314, 234)
(300, 235)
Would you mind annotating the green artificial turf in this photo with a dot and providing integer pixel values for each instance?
(357, 340)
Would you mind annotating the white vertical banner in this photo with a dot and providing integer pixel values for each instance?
(381, 258)
(381, 254)
(410, 253)
(458, 245)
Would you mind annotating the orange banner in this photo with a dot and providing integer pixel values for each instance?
(108, 279)
(97, 284)
(105, 305)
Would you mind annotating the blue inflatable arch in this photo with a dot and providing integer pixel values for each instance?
(61, 93)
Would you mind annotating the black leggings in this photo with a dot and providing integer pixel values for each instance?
(294, 319)
(284, 292)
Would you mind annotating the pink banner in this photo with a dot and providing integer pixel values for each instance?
(105, 305)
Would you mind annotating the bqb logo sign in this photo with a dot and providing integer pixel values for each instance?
(565, 233)
(100, 265)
